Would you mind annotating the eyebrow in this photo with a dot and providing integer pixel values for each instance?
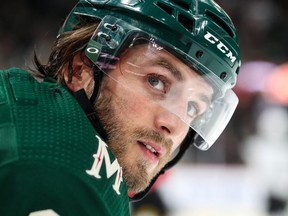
(178, 75)
(165, 64)
(206, 100)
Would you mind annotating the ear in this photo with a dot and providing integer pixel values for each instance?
(82, 75)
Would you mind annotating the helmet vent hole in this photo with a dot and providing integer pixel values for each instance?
(219, 22)
(223, 75)
(186, 22)
(165, 7)
(199, 54)
(237, 71)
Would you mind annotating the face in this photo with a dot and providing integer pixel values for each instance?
(144, 106)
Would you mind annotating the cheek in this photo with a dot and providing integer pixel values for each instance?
(131, 104)
(139, 111)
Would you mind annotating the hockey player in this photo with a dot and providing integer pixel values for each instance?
(128, 86)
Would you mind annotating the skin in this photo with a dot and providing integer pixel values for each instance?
(144, 103)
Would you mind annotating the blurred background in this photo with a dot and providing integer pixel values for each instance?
(246, 171)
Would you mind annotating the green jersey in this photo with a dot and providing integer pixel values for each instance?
(52, 162)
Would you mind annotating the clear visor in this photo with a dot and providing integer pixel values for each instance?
(169, 84)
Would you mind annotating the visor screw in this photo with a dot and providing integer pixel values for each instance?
(223, 75)
(114, 28)
(108, 38)
(199, 54)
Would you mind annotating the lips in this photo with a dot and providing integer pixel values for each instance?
(152, 151)
(150, 148)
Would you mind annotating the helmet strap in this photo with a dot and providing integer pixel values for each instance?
(98, 76)
(87, 104)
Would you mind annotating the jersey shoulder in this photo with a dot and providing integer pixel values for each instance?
(42, 125)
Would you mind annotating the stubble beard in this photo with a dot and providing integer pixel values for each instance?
(120, 136)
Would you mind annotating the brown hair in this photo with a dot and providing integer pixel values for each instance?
(65, 47)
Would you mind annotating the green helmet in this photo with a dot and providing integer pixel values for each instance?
(198, 32)
(199, 28)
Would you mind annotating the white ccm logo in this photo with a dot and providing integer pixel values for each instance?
(224, 49)
(111, 168)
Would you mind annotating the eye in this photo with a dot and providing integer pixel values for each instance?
(192, 109)
(157, 83)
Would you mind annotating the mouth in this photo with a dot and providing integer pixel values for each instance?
(151, 151)
(150, 148)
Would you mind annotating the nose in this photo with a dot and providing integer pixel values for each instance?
(169, 123)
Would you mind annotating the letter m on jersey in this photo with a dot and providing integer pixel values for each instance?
(111, 168)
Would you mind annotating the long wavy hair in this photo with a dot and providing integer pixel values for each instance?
(63, 51)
